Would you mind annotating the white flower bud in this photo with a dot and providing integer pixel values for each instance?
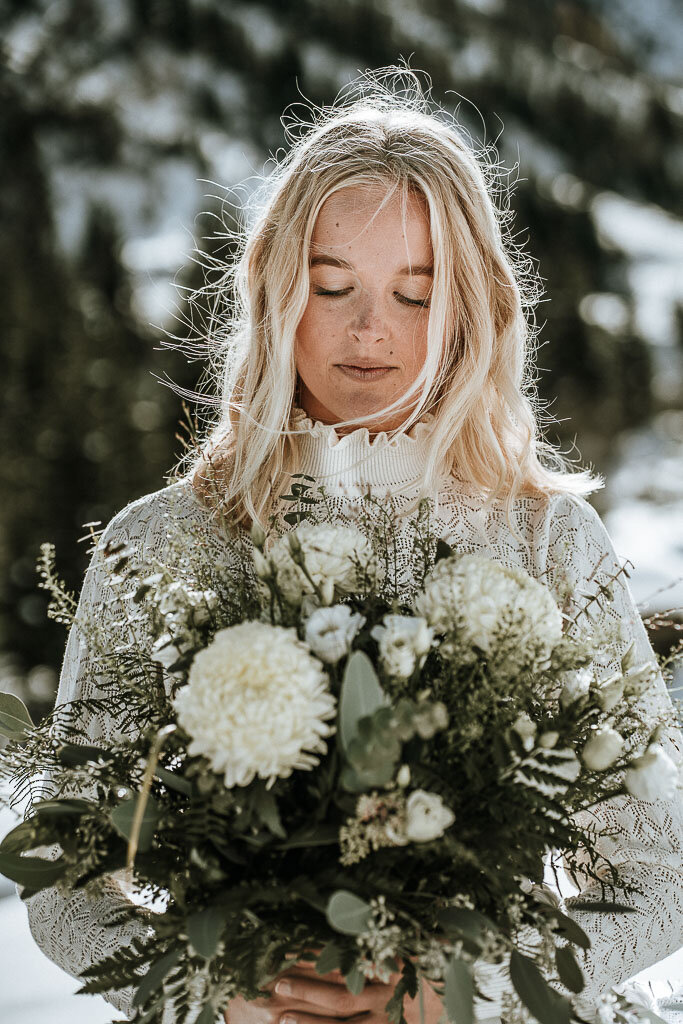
(327, 591)
(602, 749)
(577, 685)
(258, 535)
(526, 730)
(261, 565)
(611, 691)
(654, 776)
(547, 740)
(403, 777)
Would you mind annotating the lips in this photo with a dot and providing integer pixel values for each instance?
(364, 372)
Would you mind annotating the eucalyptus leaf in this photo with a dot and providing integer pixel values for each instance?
(329, 958)
(34, 873)
(602, 905)
(547, 1005)
(122, 818)
(467, 924)
(360, 695)
(568, 969)
(355, 980)
(459, 992)
(73, 754)
(21, 837)
(173, 781)
(67, 807)
(15, 721)
(347, 913)
(204, 930)
(567, 927)
(154, 977)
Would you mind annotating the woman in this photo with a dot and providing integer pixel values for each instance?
(379, 338)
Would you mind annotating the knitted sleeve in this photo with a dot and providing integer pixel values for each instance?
(642, 838)
(74, 931)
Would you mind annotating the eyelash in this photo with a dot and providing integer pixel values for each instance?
(409, 302)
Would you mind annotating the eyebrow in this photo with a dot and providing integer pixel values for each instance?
(417, 270)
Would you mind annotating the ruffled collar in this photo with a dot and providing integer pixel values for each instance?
(356, 458)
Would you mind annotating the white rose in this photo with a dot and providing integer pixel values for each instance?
(576, 685)
(329, 632)
(653, 776)
(402, 640)
(526, 730)
(427, 817)
(602, 749)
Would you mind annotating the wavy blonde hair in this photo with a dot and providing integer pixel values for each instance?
(383, 129)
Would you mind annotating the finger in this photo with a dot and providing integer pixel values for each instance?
(299, 1017)
(332, 997)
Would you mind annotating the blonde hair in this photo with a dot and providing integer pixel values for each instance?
(382, 129)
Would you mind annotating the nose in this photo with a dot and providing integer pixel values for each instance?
(368, 324)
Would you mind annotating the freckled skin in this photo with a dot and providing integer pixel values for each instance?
(375, 318)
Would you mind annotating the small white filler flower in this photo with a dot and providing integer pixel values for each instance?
(256, 703)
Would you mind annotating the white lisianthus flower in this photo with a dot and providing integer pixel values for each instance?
(576, 685)
(403, 640)
(330, 554)
(427, 816)
(653, 776)
(526, 730)
(479, 597)
(329, 632)
(602, 748)
(256, 703)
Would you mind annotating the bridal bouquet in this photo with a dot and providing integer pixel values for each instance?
(311, 757)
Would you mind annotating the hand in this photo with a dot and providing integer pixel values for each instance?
(325, 999)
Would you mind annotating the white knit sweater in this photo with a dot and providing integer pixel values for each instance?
(646, 838)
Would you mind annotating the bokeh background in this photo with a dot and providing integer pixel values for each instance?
(122, 123)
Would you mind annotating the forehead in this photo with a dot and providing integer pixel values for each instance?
(358, 215)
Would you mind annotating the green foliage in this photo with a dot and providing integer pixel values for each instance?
(459, 992)
(347, 913)
(15, 719)
(546, 1005)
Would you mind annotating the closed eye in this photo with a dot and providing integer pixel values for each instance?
(401, 298)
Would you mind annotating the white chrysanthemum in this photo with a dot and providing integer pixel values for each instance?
(479, 597)
(403, 640)
(329, 632)
(256, 703)
(331, 553)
